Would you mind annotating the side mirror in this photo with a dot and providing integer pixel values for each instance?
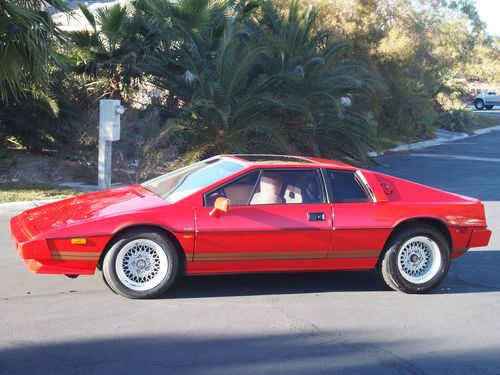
(220, 205)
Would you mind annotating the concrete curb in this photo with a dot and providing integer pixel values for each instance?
(486, 130)
(443, 136)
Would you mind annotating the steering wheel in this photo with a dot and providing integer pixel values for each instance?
(212, 197)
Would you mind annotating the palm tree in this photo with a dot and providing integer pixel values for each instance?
(27, 36)
(112, 51)
(259, 82)
(317, 74)
(27, 56)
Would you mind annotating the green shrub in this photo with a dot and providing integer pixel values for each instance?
(461, 120)
(6, 159)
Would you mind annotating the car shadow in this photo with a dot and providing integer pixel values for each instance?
(474, 272)
(305, 352)
(276, 283)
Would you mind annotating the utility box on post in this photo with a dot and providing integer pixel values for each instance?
(109, 119)
(109, 131)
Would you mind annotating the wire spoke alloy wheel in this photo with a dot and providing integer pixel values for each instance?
(419, 259)
(141, 264)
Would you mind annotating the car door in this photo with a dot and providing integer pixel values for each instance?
(492, 98)
(496, 99)
(269, 221)
(358, 234)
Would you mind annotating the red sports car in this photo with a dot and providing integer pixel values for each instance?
(253, 213)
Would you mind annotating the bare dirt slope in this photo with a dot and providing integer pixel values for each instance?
(31, 167)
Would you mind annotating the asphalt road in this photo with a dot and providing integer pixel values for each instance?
(308, 323)
(469, 166)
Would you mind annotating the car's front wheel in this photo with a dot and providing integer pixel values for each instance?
(417, 259)
(141, 264)
(479, 104)
(488, 107)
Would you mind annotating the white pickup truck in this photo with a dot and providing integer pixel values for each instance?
(486, 100)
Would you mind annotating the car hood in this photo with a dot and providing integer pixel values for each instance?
(107, 203)
(88, 207)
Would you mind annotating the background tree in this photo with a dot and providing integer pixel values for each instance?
(111, 52)
(253, 81)
(27, 41)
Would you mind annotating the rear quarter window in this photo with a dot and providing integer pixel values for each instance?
(346, 188)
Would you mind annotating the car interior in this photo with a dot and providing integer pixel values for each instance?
(273, 187)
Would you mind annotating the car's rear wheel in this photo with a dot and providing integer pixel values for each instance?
(479, 104)
(141, 264)
(417, 259)
(488, 106)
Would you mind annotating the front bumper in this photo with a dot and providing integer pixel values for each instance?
(56, 256)
(27, 247)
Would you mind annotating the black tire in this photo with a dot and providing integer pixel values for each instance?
(488, 107)
(158, 259)
(479, 104)
(426, 239)
(106, 282)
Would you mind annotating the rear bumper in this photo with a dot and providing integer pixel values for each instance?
(479, 238)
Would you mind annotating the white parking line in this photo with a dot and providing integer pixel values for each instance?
(457, 157)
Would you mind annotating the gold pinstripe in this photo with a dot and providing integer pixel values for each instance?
(264, 253)
(288, 255)
(75, 252)
(73, 255)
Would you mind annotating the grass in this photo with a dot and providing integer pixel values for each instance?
(29, 191)
(486, 122)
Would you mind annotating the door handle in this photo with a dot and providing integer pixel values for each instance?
(316, 216)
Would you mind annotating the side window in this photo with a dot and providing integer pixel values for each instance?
(237, 191)
(346, 187)
(288, 187)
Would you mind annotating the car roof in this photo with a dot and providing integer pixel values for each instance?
(288, 160)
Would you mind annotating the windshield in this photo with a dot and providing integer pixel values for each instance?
(180, 183)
